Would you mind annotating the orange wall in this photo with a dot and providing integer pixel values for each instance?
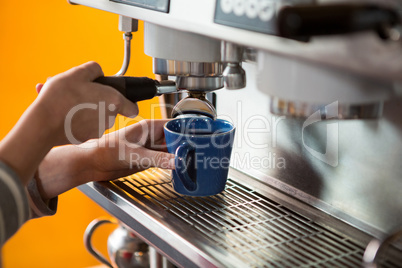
(39, 39)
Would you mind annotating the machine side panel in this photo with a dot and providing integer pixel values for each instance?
(365, 184)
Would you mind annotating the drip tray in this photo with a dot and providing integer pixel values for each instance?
(238, 228)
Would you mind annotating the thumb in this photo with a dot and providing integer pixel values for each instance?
(158, 159)
(128, 108)
(39, 87)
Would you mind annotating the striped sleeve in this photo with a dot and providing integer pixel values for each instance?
(14, 208)
(40, 207)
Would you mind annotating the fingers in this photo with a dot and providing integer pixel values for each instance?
(128, 108)
(88, 71)
(147, 133)
(159, 123)
(115, 101)
(39, 87)
(118, 103)
(156, 136)
(92, 70)
(150, 158)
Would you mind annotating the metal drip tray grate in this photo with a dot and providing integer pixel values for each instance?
(248, 226)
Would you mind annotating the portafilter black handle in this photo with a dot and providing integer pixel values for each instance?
(133, 88)
(305, 21)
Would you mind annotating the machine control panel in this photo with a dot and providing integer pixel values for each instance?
(253, 15)
(157, 5)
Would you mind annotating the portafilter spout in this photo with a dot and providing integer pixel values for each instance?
(195, 104)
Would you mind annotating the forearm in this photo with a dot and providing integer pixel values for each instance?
(62, 169)
(103, 159)
(27, 143)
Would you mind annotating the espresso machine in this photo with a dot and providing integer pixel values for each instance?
(314, 89)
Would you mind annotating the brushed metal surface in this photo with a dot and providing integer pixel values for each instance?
(360, 181)
(238, 228)
(180, 68)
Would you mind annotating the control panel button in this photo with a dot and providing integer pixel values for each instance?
(239, 7)
(266, 10)
(227, 6)
(253, 15)
(252, 8)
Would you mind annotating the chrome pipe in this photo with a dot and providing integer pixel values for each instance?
(127, 54)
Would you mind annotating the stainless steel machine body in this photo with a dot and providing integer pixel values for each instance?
(306, 188)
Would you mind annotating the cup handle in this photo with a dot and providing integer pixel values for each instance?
(181, 170)
(88, 239)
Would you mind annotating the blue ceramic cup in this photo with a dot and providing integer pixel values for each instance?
(202, 149)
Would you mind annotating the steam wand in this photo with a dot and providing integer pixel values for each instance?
(127, 54)
(126, 25)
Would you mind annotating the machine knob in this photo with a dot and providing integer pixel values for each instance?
(234, 77)
(303, 22)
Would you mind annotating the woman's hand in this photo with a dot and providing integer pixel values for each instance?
(130, 150)
(78, 108)
(70, 108)
(117, 154)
